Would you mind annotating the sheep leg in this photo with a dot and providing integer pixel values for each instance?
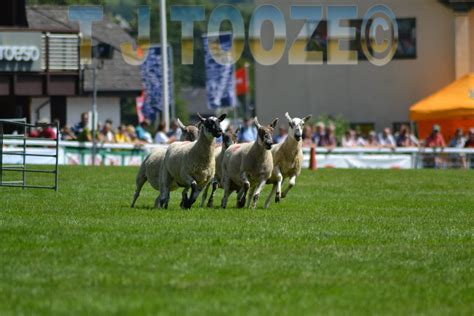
(291, 184)
(246, 182)
(140, 181)
(210, 203)
(194, 194)
(239, 198)
(184, 197)
(204, 193)
(278, 184)
(256, 193)
(269, 198)
(165, 184)
(226, 183)
(251, 193)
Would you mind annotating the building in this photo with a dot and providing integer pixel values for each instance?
(438, 47)
(52, 84)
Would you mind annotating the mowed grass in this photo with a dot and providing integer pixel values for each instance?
(342, 242)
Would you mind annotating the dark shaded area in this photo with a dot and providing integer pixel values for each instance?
(13, 13)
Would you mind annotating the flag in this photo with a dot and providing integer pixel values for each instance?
(151, 76)
(220, 79)
(241, 84)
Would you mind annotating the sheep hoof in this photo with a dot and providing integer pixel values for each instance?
(241, 202)
(210, 203)
(277, 197)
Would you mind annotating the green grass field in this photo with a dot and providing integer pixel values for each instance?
(343, 242)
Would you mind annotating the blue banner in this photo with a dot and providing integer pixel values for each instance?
(220, 79)
(152, 82)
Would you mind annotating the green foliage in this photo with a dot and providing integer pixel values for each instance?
(341, 124)
(343, 241)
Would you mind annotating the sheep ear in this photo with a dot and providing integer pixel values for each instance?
(200, 117)
(288, 117)
(257, 124)
(181, 125)
(307, 118)
(222, 117)
(274, 123)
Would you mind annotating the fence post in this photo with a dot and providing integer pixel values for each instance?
(312, 158)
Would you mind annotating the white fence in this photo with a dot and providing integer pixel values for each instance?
(76, 153)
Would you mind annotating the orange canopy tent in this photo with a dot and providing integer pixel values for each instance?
(451, 107)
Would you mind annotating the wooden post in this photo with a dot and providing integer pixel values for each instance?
(312, 158)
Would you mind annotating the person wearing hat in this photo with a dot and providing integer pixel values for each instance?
(435, 139)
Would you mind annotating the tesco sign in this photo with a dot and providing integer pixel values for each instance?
(19, 53)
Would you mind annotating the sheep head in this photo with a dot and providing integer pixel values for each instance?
(189, 133)
(229, 138)
(265, 133)
(211, 126)
(296, 125)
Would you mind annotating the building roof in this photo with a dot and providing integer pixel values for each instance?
(116, 76)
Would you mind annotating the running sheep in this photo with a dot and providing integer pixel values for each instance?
(228, 139)
(287, 159)
(190, 165)
(150, 167)
(248, 166)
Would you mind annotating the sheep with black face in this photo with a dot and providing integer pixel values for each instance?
(247, 167)
(287, 158)
(190, 165)
(150, 167)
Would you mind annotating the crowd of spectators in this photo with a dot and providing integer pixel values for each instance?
(324, 136)
(319, 134)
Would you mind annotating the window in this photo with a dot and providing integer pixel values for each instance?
(406, 49)
(363, 128)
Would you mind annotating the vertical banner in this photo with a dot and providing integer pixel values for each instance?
(151, 76)
(220, 79)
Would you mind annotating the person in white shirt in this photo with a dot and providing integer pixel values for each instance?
(160, 136)
(386, 138)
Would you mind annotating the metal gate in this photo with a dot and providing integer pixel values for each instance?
(18, 145)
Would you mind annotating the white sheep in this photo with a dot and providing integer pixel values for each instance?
(190, 165)
(248, 166)
(228, 139)
(287, 158)
(150, 167)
